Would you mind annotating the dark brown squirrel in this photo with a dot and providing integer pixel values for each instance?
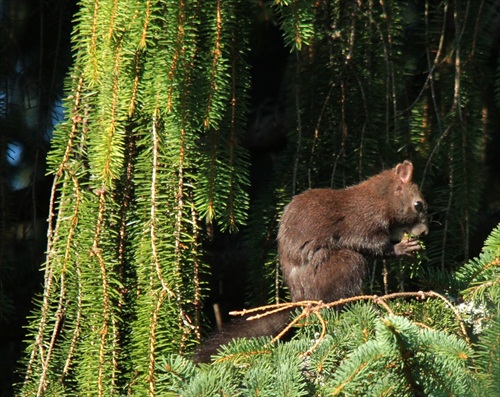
(325, 237)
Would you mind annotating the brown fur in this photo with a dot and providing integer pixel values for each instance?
(270, 325)
(324, 238)
(325, 235)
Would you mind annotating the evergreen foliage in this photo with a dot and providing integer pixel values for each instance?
(398, 349)
(149, 161)
(377, 84)
(149, 151)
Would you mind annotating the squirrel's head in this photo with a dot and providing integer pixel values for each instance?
(410, 208)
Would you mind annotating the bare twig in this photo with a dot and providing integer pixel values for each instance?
(314, 308)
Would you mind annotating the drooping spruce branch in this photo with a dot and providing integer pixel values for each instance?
(125, 259)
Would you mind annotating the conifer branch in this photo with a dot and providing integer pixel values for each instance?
(217, 53)
(145, 26)
(179, 219)
(154, 204)
(45, 357)
(111, 130)
(178, 53)
(321, 336)
(112, 18)
(232, 136)
(76, 120)
(315, 307)
(196, 272)
(150, 377)
(97, 251)
(135, 87)
(305, 313)
(77, 329)
(406, 355)
(93, 51)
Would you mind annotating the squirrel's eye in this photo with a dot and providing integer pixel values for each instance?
(419, 206)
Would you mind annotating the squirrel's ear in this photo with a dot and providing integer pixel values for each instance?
(404, 171)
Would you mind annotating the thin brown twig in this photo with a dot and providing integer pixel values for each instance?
(305, 313)
(321, 336)
(314, 307)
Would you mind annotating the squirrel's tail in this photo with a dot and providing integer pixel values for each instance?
(270, 325)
